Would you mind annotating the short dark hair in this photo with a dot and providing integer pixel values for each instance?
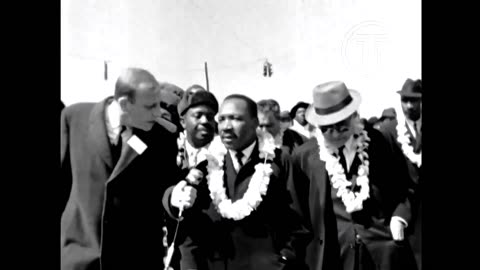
(251, 105)
(269, 106)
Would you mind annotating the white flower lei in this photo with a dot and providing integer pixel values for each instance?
(182, 137)
(403, 137)
(353, 201)
(256, 188)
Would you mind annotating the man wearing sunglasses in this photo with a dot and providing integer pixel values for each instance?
(359, 189)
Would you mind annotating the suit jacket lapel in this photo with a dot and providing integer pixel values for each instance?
(410, 133)
(319, 183)
(98, 135)
(127, 156)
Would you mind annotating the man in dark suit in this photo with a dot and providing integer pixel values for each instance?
(249, 221)
(117, 158)
(359, 188)
(269, 121)
(197, 110)
(408, 135)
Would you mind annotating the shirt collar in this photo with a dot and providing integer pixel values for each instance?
(246, 152)
(350, 145)
(113, 112)
(192, 151)
(410, 123)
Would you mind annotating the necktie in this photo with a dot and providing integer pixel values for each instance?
(416, 129)
(343, 161)
(239, 156)
(418, 139)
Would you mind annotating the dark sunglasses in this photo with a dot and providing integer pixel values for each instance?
(340, 127)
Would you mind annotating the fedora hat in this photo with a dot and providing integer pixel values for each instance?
(332, 103)
(389, 113)
(297, 106)
(411, 88)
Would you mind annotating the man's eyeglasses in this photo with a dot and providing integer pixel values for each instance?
(340, 127)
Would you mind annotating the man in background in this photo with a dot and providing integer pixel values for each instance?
(300, 123)
(269, 120)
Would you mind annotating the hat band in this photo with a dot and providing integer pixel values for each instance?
(336, 108)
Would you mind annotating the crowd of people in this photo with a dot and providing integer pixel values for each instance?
(157, 177)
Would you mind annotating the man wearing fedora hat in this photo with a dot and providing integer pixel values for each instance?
(300, 123)
(408, 135)
(359, 188)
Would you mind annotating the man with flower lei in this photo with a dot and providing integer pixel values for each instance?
(359, 196)
(250, 221)
(197, 110)
(269, 121)
(408, 134)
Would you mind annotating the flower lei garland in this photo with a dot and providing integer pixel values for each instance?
(256, 188)
(353, 201)
(182, 137)
(403, 138)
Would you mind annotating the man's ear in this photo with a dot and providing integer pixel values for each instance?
(123, 102)
(182, 122)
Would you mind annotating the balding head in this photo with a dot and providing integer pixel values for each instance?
(138, 94)
(132, 80)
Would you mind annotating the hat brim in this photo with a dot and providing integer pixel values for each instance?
(409, 94)
(329, 119)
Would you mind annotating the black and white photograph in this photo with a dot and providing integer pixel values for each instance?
(241, 135)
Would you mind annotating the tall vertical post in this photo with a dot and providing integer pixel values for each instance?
(206, 76)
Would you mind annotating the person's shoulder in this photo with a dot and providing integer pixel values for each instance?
(297, 137)
(310, 145)
(79, 107)
(389, 128)
(78, 110)
(379, 137)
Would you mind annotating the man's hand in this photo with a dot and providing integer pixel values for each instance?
(183, 196)
(194, 176)
(397, 227)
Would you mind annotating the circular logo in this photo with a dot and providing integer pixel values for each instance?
(364, 48)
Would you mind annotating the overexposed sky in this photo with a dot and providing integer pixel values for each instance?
(372, 45)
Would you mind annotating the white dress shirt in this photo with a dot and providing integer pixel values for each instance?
(112, 119)
(411, 126)
(246, 155)
(349, 151)
(195, 155)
